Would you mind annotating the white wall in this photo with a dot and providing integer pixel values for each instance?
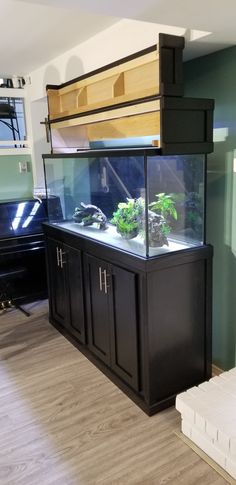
(119, 40)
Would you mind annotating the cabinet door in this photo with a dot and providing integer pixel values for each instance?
(72, 265)
(124, 324)
(97, 309)
(57, 283)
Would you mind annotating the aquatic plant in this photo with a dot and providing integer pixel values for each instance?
(128, 217)
(160, 226)
(164, 205)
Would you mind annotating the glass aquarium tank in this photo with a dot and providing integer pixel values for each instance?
(134, 200)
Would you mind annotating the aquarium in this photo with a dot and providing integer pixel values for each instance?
(134, 200)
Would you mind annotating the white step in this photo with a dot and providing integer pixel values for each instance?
(208, 414)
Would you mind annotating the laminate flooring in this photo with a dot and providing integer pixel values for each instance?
(63, 422)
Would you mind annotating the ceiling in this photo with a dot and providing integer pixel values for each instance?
(32, 32)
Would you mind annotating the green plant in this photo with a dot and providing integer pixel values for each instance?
(164, 205)
(128, 217)
(165, 211)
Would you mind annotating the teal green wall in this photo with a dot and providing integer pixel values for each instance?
(14, 184)
(214, 76)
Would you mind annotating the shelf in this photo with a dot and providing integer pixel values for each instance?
(138, 98)
(191, 118)
(151, 72)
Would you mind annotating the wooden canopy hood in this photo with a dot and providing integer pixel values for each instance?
(134, 97)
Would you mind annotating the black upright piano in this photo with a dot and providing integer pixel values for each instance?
(22, 254)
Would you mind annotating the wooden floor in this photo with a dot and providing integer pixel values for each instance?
(63, 422)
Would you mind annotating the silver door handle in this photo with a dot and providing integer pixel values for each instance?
(100, 278)
(62, 253)
(106, 286)
(58, 257)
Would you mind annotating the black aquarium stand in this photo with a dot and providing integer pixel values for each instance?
(146, 323)
(141, 314)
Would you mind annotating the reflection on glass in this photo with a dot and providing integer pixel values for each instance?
(110, 199)
(21, 218)
(176, 192)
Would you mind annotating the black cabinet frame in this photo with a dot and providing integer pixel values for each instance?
(65, 285)
(170, 341)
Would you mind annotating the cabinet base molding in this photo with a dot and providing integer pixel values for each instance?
(216, 371)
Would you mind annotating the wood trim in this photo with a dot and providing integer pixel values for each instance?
(206, 458)
(145, 59)
(141, 108)
(144, 124)
(150, 72)
(216, 371)
(128, 81)
(104, 68)
(130, 126)
(124, 98)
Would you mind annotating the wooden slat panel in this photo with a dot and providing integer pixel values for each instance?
(131, 126)
(152, 56)
(70, 137)
(141, 77)
(116, 100)
(54, 103)
(69, 101)
(82, 98)
(102, 90)
(134, 109)
(119, 86)
(131, 80)
(80, 136)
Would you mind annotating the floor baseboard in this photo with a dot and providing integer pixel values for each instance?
(216, 371)
(206, 458)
